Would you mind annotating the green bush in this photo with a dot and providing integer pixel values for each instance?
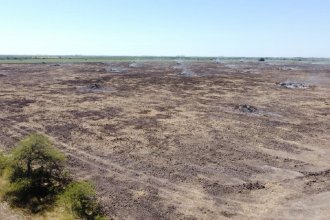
(35, 157)
(3, 162)
(18, 190)
(80, 198)
(35, 180)
(36, 173)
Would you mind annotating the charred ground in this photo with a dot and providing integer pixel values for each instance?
(160, 144)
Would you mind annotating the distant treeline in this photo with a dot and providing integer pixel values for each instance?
(79, 58)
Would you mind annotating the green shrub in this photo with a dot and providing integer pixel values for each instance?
(18, 190)
(3, 162)
(35, 156)
(36, 173)
(80, 198)
(35, 179)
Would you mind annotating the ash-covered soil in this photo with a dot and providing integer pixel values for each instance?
(222, 142)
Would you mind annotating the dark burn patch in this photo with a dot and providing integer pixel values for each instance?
(315, 182)
(18, 118)
(218, 189)
(15, 105)
(111, 128)
(106, 113)
(63, 131)
(228, 214)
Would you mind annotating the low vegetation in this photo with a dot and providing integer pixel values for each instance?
(3, 162)
(35, 173)
(36, 180)
(80, 199)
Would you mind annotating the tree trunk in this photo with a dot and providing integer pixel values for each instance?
(29, 168)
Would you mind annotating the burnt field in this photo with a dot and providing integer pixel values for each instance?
(185, 140)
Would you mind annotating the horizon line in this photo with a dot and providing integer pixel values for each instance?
(169, 56)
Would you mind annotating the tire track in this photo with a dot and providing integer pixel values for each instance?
(170, 192)
(165, 186)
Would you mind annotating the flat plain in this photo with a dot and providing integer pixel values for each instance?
(182, 140)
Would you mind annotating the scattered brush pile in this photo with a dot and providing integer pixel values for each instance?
(135, 65)
(95, 86)
(247, 108)
(109, 69)
(293, 85)
(36, 180)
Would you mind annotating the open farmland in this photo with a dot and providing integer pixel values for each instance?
(185, 140)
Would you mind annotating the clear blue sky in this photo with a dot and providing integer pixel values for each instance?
(166, 27)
